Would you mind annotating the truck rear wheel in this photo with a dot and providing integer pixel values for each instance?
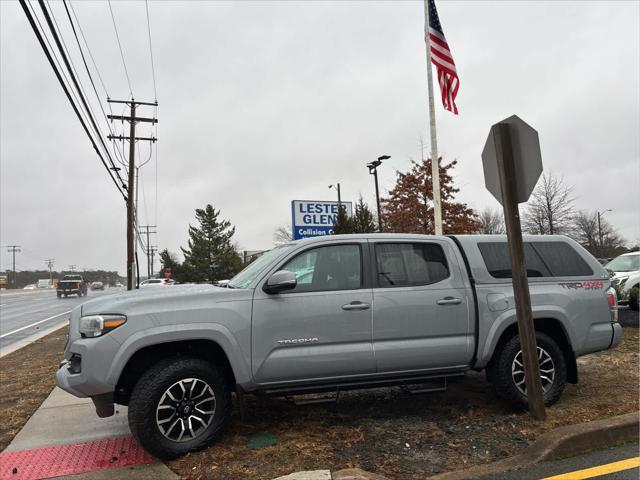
(179, 405)
(506, 371)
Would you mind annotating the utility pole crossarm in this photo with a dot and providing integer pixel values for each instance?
(128, 102)
(121, 137)
(132, 118)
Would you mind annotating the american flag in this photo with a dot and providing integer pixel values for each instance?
(442, 58)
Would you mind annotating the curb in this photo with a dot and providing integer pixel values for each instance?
(559, 443)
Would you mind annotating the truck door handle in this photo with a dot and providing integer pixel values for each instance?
(356, 306)
(449, 301)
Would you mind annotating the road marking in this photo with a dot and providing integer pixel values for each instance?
(599, 470)
(34, 324)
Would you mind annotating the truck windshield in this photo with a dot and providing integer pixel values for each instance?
(249, 274)
(624, 263)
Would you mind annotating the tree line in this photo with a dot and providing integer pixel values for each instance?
(30, 277)
(211, 255)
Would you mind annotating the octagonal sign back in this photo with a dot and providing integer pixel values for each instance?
(527, 158)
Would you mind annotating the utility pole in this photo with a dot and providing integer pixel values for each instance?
(152, 251)
(14, 249)
(132, 119)
(149, 262)
(72, 268)
(50, 262)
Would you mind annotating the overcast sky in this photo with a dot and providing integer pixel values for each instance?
(264, 102)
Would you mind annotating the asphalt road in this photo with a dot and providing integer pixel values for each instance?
(603, 462)
(24, 314)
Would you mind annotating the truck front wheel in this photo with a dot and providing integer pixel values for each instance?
(179, 405)
(506, 371)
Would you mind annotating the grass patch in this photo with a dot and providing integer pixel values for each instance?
(27, 377)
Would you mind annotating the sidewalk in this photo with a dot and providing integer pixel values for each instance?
(65, 438)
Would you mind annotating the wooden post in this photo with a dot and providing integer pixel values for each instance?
(526, 328)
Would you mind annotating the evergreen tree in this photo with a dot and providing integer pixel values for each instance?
(343, 222)
(210, 254)
(169, 261)
(409, 207)
(363, 220)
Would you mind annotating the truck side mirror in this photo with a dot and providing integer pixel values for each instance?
(280, 281)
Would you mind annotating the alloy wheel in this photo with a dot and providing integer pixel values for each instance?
(185, 409)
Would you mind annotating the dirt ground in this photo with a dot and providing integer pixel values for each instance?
(27, 377)
(399, 435)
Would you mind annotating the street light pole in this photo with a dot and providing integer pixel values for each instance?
(373, 170)
(600, 229)
(337, 187)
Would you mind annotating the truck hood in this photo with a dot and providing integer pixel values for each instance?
(147, 298)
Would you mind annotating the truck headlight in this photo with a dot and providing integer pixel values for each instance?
(96, 325)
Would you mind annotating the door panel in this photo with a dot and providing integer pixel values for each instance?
(338, 340)
(322, 328)
(420, 327)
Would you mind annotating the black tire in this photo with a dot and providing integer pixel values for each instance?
(633, 299)
(499, 371)
(59, 295)
(149, 391)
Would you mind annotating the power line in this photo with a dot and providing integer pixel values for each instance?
(153, 68)
(72, 73)
(126, 72)
(88, 49)
(89, 73)
(30, 17)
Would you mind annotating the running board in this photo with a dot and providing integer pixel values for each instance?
(314, 401)
(425, 389)
(290, 391)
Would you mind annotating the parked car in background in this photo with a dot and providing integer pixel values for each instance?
(625, 277)
(44, 283)
(31, 286)
(97, 286)
(156, 282)
(333, 313)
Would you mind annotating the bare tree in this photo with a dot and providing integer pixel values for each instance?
(550, 210)
(585, 231)
(491, 221)
(282, 235)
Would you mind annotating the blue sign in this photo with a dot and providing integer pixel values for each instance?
(315, 218)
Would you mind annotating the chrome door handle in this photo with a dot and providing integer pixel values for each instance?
(356, 306)
(449, 301)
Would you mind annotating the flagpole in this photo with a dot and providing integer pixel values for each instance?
(435, 162)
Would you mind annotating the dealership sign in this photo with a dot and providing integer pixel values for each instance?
(315, 218)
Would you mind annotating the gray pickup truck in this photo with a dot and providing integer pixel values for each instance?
(335, 313)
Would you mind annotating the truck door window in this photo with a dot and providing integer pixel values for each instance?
(337, 267)
(410, 264)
